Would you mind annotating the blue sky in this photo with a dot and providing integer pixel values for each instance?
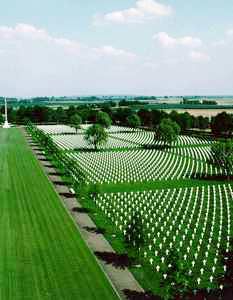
(73, 47)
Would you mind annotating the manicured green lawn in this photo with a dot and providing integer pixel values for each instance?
(156, 185)
(42, 255)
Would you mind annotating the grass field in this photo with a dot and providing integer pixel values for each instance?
(42, 255)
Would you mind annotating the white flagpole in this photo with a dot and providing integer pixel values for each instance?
(6, 124)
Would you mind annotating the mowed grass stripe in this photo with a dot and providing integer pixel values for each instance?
(42, 255)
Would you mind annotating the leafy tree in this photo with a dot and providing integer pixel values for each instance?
(134, 121)
(167, 131)
(39, 114)
(103, 119)
(202, 122)
(86, 113)
(222, 125)
(146, 117)
(158, 116)
(75, 121)
(222, 153)
(184, 120)
(1, 119)
(226, 281)
(71, 111)
(47, 142)
(94, 191)
(175, 284)
(61, 116)
(121, 115)
(96, 135)
(134, 236)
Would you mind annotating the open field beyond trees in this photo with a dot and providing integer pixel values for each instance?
(42, 255)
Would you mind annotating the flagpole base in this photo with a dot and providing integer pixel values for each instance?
(6, 125)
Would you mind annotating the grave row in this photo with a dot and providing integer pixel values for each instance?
(139, 166)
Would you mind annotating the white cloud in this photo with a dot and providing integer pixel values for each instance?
(164, 39)
(114, 52)
(23, 31)
(219, 43)
(229, 32)
(226, 40)
(26, 35)
(190, 41)
(167, 41)
(197, 56)
(143, 10)
(70, 45)
(152, 7)
(36, 62)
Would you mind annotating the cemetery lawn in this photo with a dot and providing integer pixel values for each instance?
(156, 185)
(42, 255)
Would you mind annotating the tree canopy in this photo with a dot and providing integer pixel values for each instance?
(96, 135)
(1, 119)
(184, 120)
(134, 121)
(103, 119)
(222, 153)
(75, 121)
(134, 236)
(167, 131)
(222, 125)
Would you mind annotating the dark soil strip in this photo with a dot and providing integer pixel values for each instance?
(62, 183)
(81, 210)
(121, 261)
(95, 230)
(67, 195)
(55, 174)
(43, 159)
(134, 295)
(48, 166)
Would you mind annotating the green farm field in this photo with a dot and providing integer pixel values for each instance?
(42, 254)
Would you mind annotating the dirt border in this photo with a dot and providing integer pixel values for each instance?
(120, 279)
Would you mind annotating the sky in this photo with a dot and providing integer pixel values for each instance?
(103, 47)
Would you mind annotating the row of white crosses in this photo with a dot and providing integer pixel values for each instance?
(138, 166)
(112, 129)
(180, 147)
(123, 137)
(62, 129)
(139, 136)
(58, 129)
(179, 167)
(143, 137)
(71, 142)
(129, 134)
(128, 166)
(192, 220)
(202, 152)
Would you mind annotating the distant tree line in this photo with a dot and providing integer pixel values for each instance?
(221, 125)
